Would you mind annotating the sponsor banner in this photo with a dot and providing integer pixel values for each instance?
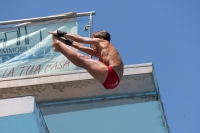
(26, 49)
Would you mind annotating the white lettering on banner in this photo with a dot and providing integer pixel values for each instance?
(34, 52)
(7, 58)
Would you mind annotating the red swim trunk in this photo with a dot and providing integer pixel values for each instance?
(112, 79)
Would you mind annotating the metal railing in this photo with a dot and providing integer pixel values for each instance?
(58, 16)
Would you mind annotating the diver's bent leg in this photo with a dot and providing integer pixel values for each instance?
(96, 68)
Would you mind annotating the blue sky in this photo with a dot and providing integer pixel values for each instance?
(166, 33)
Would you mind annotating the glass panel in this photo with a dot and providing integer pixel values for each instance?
(104, 117)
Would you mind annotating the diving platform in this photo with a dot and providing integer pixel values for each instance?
(72, 97)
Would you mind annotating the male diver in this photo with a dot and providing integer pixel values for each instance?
(108, 70)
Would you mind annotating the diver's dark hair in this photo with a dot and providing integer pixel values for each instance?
(102, 33)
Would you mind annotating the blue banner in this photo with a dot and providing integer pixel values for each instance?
(26, 49)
